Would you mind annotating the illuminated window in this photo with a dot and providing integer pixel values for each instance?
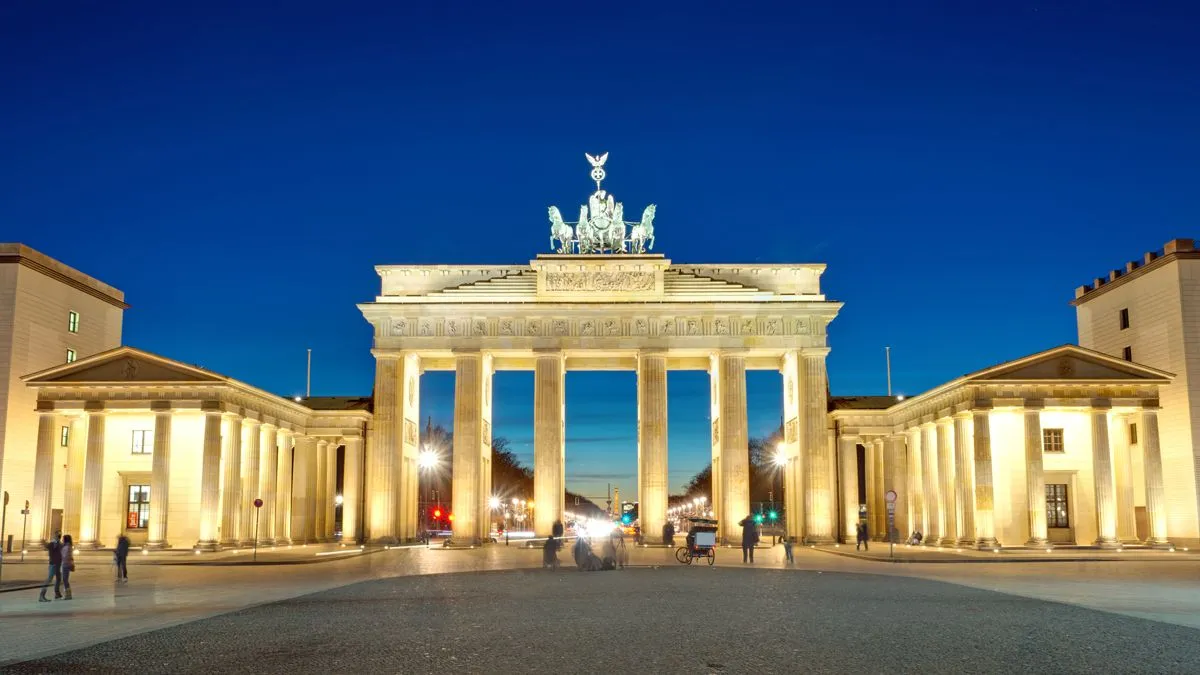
(1052, 440)
(137, 516)
(73, 322)
(70, 356)
(143, 441)
(1058, 511)
(64, 436)
(1127, 353)
(1124, 319)
(1133, 433)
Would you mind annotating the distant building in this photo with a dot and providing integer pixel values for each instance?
(50, 314)
(1149, 312)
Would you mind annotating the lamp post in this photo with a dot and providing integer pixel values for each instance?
(427, 462)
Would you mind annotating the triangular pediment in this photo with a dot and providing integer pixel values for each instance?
(124, 364)
(1070, 362)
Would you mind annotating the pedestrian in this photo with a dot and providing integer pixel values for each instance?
(749, 538)
(54, 548)
(668, 533)
(557, 531)
(68, 564)
(787, 549)
(120, 556)
(863, 538)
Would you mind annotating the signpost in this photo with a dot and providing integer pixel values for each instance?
(24, 522)
(3, 517)
(257, 510)
(890, 498)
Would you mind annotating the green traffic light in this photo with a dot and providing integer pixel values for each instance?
(758, 518)
(772, 515)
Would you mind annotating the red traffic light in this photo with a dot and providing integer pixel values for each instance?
(437, 513)
(451, 517)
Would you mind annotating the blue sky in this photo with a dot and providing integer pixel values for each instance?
(239, 168)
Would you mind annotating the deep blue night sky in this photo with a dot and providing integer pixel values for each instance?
(239, 170)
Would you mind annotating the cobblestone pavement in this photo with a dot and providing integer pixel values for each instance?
(161, 596)
(653, 619)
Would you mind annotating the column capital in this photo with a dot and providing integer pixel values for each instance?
(382, 355)
(814, 351)
(851, 437)
(1033, 404)
(1151, 405)
(252, 422)
(94, 407)
(981, 406)
(43, 411)
(1100, 404)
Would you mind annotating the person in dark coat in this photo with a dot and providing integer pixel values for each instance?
(54, 548)
(120, 557)
(863, 538)
(749, 538)
(557, 533)
(668, 533)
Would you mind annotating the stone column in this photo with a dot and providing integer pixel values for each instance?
(385, 452)
(43, 480)
(283, 488)
(352, 478)
(548, 442)
(268, 483)
(821, 505)
(1102, 474)
(985, 510)
(652, 444)
(93, 477)
(471, 370)
(873, 499)
(210, 480)
(848, 472)
(793, 494)
(321, 458)
(73, 483)
(250, 480)
(896, 479)
(1035, 481)
(916, 485)
(1156, 506)
(331, 492)
(929, 476)
(407, 416)
(717, 500)
(304, 484)
(733, 444)
(1123, 470)
(946, 476)
(880, 528)
(231, 499)
(964, 480)
(160, 477)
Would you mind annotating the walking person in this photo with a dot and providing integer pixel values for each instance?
(749, 538)
(863, 538)
(68, 564)
(54, 548)
(120, 557)
(787, 549)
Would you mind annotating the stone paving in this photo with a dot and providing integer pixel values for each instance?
(164, 595)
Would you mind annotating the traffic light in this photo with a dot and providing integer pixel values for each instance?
(758, 518)
(437, 513)
(450, 517)
(626, 519)
(772, 515)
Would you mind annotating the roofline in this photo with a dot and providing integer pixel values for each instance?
(62, 273)
(1176, 249)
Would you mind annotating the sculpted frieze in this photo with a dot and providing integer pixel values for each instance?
(611, 326)
(599, 280)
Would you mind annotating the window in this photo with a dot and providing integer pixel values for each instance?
(73, 322)
(1124, 319)
(137, 516)
(70, 356)
(1058, 512)
(1052, 440)
(1127, 353)
(143, 442)
(1133, 433)
(64, 436)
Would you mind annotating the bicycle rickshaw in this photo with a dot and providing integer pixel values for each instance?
(701, 542)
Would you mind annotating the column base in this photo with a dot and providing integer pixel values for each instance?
(156, 545)
(385, 541)
(462, 543)
(90, 545)
(964, 543)
(819, 540)
(987, 544)
(1107, 543)
(1160, 545)
(229, 543)
(1038, 542)
(209, 546)
(930, 540)
(950, 542)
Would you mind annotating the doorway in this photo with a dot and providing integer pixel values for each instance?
(1059, 527)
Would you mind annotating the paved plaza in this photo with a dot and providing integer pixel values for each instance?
(493, 609)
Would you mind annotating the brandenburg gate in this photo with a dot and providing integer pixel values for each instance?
(600, 301)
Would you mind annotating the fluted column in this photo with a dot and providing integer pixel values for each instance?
(964, 480)
(210, 481)
(946, 477)
(732, 441)
(821, 505)
(93, 478)
(352, 478)
(548, 442)
(873, 499)
(916, 485)
(408, 415)
(848, 472)
(331, 492)
(895, 480)
(985, 500)
(283, 487)
(304, 484)
(1035, 480)
(1123, 473)
(1102, 475)
(793, 412)
(931, 490)
(251, 458)
(1156, 507)
(73, 483)
(43, 480)
(160, 479)
(385, 453)
(231, 485)
(321, 497)
(471, 370)
(652, 444)
(268, 483)
(879, 531)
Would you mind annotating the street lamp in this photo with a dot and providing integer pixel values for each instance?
(428, 459)
(780, 456)
(494, 503)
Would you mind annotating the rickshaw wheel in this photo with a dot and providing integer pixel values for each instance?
(681, 554)
(712, 556)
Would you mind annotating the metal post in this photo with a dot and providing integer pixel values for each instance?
(888, 352)
(24, 522)
(256, 512)
(308, 377)
(3, 519)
